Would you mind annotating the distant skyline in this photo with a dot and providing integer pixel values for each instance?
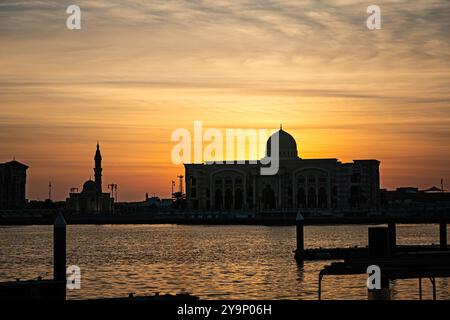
(138, 70)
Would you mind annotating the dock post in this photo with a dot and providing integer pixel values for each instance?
(59, 255)
(379, 242)
(379, 247)
(299, 223)
(433, 282)
(420, 288)
(443, 234)
(392, 236)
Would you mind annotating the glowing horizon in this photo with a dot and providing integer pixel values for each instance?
(137, 71)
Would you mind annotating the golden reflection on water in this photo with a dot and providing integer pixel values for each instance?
(213, 262)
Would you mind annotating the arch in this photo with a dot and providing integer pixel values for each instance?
(218, 201)
(301, 198)
(238, 199)
(268, 197)
(223, 177)
(296, 175)
(297, 171)
(290, 198)
(312, 198)
(322, 198)
(301, 179)
(228, 170)
(228, 199)
(250, 196)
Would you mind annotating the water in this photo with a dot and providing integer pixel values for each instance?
(213, 262)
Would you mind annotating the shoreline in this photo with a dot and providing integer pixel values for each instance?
(262, 221)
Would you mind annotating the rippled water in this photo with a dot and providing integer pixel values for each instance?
(213, 262)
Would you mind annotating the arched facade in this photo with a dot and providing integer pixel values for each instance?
(229, 186)
(313, 185)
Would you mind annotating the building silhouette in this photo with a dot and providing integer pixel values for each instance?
(13, 179)
(92, 199)
(416, 201)
(314, 185)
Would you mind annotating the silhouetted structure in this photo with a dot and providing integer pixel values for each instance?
(414, 201)
(13, 178)
(404, 262)
(41, 289)
(92, 198)
(59, 255)
(315, 185)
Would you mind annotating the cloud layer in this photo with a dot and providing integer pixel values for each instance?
(139, 69)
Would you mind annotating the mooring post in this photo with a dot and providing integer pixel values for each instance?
(443, 234)
(299, 223)
(433, 283)
(379, 248)
(59, 255)
(379, 242)
(420, 288)
(392, 236)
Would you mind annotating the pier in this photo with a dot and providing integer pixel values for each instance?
(305, 254)
(395, 262)
(413, 265)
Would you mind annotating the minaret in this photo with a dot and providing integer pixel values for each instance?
(98, 171)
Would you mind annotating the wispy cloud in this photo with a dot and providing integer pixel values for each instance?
(137, 69)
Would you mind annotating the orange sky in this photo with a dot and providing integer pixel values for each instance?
(136, 71)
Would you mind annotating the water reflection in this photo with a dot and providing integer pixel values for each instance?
(214, 262)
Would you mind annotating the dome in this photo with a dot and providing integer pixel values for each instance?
(287, 145)
(89, 187)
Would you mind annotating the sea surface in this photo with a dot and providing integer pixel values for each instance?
(213, 262)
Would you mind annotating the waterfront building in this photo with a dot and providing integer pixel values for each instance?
(92, 198)
(414, 201)
(322, 186)
(13, 179)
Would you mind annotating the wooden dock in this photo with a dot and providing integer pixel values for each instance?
(410, 265)
(382, 252)
(305, 254)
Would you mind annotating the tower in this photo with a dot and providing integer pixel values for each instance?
(98, 171)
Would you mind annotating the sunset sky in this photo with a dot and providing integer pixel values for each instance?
(137, 70)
